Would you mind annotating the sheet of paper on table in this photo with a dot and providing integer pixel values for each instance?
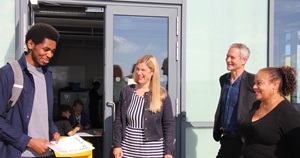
(90, 133)
(84, 134)
(71, 145)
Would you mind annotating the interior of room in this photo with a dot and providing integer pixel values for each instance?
(79, 58)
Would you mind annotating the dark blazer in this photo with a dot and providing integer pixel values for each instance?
(245, 101)
(14, 129)
(84, 119)
(157, 125)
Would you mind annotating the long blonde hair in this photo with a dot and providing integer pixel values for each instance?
(157, 93)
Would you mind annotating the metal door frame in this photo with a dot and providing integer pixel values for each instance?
(24, 19)
(174, 58)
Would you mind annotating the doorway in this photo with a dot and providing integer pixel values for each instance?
(131, 32)
(98, 40)
(79, 58)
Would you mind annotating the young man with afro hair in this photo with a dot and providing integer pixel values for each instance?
(28, 128)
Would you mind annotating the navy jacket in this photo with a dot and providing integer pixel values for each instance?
(14, 129)
(245, 101)
(84, 119)
(158, 125)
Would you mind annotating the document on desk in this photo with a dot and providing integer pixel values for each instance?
(90, 133)
(71, 145)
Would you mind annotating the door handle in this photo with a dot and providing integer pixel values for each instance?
(113, 106)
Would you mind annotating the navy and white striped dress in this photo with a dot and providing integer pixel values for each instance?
(135, 145)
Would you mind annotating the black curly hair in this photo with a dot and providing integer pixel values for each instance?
(287, 77)
(38, 32)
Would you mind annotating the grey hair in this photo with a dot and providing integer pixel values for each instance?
(244, 50)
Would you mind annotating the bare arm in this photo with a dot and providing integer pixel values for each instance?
(74, 131)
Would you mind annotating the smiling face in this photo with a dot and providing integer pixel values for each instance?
(234, 61)
(263, 88)
(40, 55)
(143, 74)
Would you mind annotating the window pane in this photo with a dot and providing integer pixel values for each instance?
(287, 39)
(135, 36)
(7, 31)
(208, 39)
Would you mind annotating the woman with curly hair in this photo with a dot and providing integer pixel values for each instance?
(272, 129)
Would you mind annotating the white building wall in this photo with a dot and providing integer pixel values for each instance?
(7, 31)
(211, 27)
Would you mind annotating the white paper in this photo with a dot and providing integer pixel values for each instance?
(84, 134)
(90, 133)
(71, 145)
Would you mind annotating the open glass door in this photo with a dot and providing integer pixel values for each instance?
(132, 32)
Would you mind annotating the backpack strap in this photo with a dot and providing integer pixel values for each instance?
(18, 84)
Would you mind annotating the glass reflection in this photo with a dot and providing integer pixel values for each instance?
(135, 36)
(287, 38)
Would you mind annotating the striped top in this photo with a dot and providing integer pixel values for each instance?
(134, 144)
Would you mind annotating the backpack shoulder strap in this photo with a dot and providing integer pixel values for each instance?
(18, 83)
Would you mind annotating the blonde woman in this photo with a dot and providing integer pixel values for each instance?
(144, 125)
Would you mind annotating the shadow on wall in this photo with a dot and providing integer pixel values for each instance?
(191, 143)
(200, 143)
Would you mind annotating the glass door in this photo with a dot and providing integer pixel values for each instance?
(132, 32)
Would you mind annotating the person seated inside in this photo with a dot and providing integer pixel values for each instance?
(78, 117)
(62, 121)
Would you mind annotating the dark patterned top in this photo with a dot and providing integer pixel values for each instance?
(135, 144)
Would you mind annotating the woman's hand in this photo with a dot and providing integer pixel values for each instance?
(76, 129)
(118, 153)
(168, 156)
